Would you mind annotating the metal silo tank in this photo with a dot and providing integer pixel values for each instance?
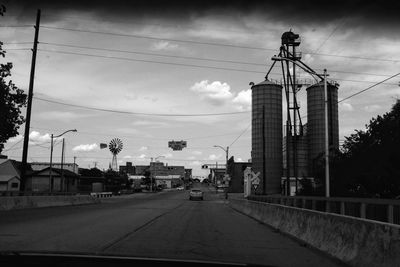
(316, 122)
(268, 95)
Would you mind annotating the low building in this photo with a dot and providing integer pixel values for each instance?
(62, 181)
(38, 166)
(141, 169)
(236, 174)
(168, 181)
(9, 175)
(128, 168)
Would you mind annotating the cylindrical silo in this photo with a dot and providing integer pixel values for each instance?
(316, 122)
(267, 97)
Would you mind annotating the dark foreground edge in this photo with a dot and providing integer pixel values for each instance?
(14, 258)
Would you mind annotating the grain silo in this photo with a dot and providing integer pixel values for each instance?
(267, 136)
(316, 122)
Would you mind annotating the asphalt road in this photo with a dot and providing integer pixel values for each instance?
(161, 225)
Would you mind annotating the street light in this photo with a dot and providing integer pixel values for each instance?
(51, 155)
(310, 71)
(226, 157)
(155, 172)
(226, 153)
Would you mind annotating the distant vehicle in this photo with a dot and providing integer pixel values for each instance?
(180, 188)
(196, 194)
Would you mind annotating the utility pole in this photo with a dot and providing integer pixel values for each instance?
(29, 106)
(326, 138)
(51, 164)
(151, 177)
(62, 182)
(226, 156)
(74, 162)
(263, 150)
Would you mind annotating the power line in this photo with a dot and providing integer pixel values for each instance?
(179, 64)
(152, 61)
(155, 54)
(14, 49)
(372, 86)
(195, 58)
(248, 127)
(163, 24)
(17, 43)
(356, 57)
(135, 137)
(158, 38)
(330, 35)
(142, 113)
(15, 26)
(209, 43)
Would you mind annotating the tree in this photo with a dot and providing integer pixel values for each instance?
(369, 164)
(148, 180)
(12, 100)
(93, 172)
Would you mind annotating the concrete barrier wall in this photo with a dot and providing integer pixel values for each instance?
(355, 241)
(24, 202)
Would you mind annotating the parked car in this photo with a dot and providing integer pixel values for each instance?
(196, 194)
(180, 188)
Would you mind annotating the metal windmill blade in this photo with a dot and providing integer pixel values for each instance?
(115, 146)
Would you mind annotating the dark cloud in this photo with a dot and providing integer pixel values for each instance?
(295, 11)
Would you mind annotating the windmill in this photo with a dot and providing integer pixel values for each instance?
(115, 147)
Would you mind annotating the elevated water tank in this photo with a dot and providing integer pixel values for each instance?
(316, 122)
(268, 95)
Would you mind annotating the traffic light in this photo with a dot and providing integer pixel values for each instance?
(204, 166)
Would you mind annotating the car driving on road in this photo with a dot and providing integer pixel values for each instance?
(196, 194)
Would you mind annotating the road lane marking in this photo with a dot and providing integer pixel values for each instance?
(113, 243)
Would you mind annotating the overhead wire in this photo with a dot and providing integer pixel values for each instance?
(368, 88)
(16, 26)
(143, 113)
(206, 43)
(156, 38)
(187, 57)
(137, 137)
(237, 138)
(153, 54)
(178, 64)
(151, 61)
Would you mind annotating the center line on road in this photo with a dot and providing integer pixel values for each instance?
(137, 229)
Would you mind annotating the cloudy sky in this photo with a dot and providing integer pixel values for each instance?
(152, 72)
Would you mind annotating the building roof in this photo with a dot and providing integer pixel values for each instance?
(57, 170)
(8, 170)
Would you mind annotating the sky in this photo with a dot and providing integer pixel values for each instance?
(154, 71)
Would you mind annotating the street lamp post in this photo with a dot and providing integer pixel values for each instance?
(327, 194)
(226, 158)
(51, 156)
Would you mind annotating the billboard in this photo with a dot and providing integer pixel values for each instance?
(177, 145)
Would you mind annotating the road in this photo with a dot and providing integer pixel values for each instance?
(162, 225)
